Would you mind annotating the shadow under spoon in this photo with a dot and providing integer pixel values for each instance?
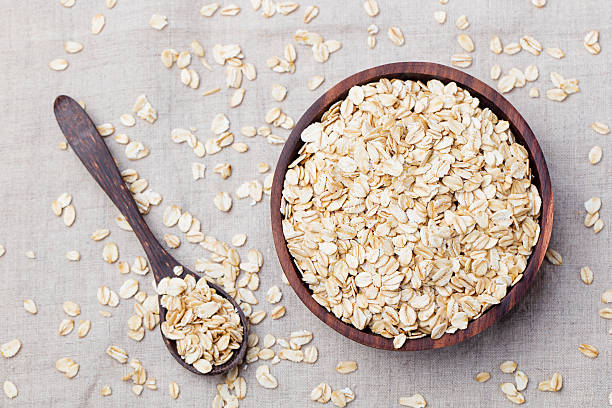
(88, 145)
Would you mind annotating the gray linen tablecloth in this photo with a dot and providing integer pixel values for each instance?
(542, 334)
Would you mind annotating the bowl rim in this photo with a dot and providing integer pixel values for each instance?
(489, 98)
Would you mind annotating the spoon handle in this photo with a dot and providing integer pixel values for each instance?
(91, 149)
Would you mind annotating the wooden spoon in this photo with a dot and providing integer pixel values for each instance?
(88, 145)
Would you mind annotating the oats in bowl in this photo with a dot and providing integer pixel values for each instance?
(410, 209)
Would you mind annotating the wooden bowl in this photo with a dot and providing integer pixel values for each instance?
(489, 98)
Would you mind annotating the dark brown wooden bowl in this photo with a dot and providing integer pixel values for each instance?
(488, 98)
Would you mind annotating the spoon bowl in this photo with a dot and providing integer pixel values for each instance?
(88, 145)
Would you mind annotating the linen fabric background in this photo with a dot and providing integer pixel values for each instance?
(541, 334)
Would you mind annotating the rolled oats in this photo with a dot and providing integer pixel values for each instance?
(10, 348)
(483, 376)
(10, 389)
(346, 367)
(462, 22)
(194, 308)
(588, 350)
(346, 264)
(415, 401)
(440, 16)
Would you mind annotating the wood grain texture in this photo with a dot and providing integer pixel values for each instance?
(86, 142)
(489, 98)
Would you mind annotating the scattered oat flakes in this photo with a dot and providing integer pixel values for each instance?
(230, 10)
(598, 226)
(321, 393)
(588, 350)
(65, 327)
(172, 241)
(531, 45)
(143, 109)
(128, 289)
(238, 240)
(257, 316)
(67, 366)
(106, 391)
(265, 378)
(223, 169)
(461, 60)
(168, 56)
(495, 72)
(315, 81)
(506, 83)
(127, 120)
(519, 76)
(521, 380)
(110, 253)
(274, 294)
(211, 91)
(465, 41)
(10, 389)
(58, 64)
(158, 21)
(371, 7)
(591, 42)
(10, 348)
(440, 16)
(310, 14)
(97, 23)
(237, 97)
(462, 22)
(534, 93)
(396, 35)
(174, 390)
(83, 329)
(555, 52)
(346, 367)
(72, 47)
(595, 155)
(71, 308)
(415, 401)
(198, 170)
(483, 376)
(209, 9)
(508, 367)
(311, 354)
(512, 48)
(554, 257)
(495, 45)
(171, 215)
(600, 128)
(117, 353)
(277, 312)
(279, 92)
(73, 255)
(586, 275)
(557, 95)
(30, 306)
(240, 147)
